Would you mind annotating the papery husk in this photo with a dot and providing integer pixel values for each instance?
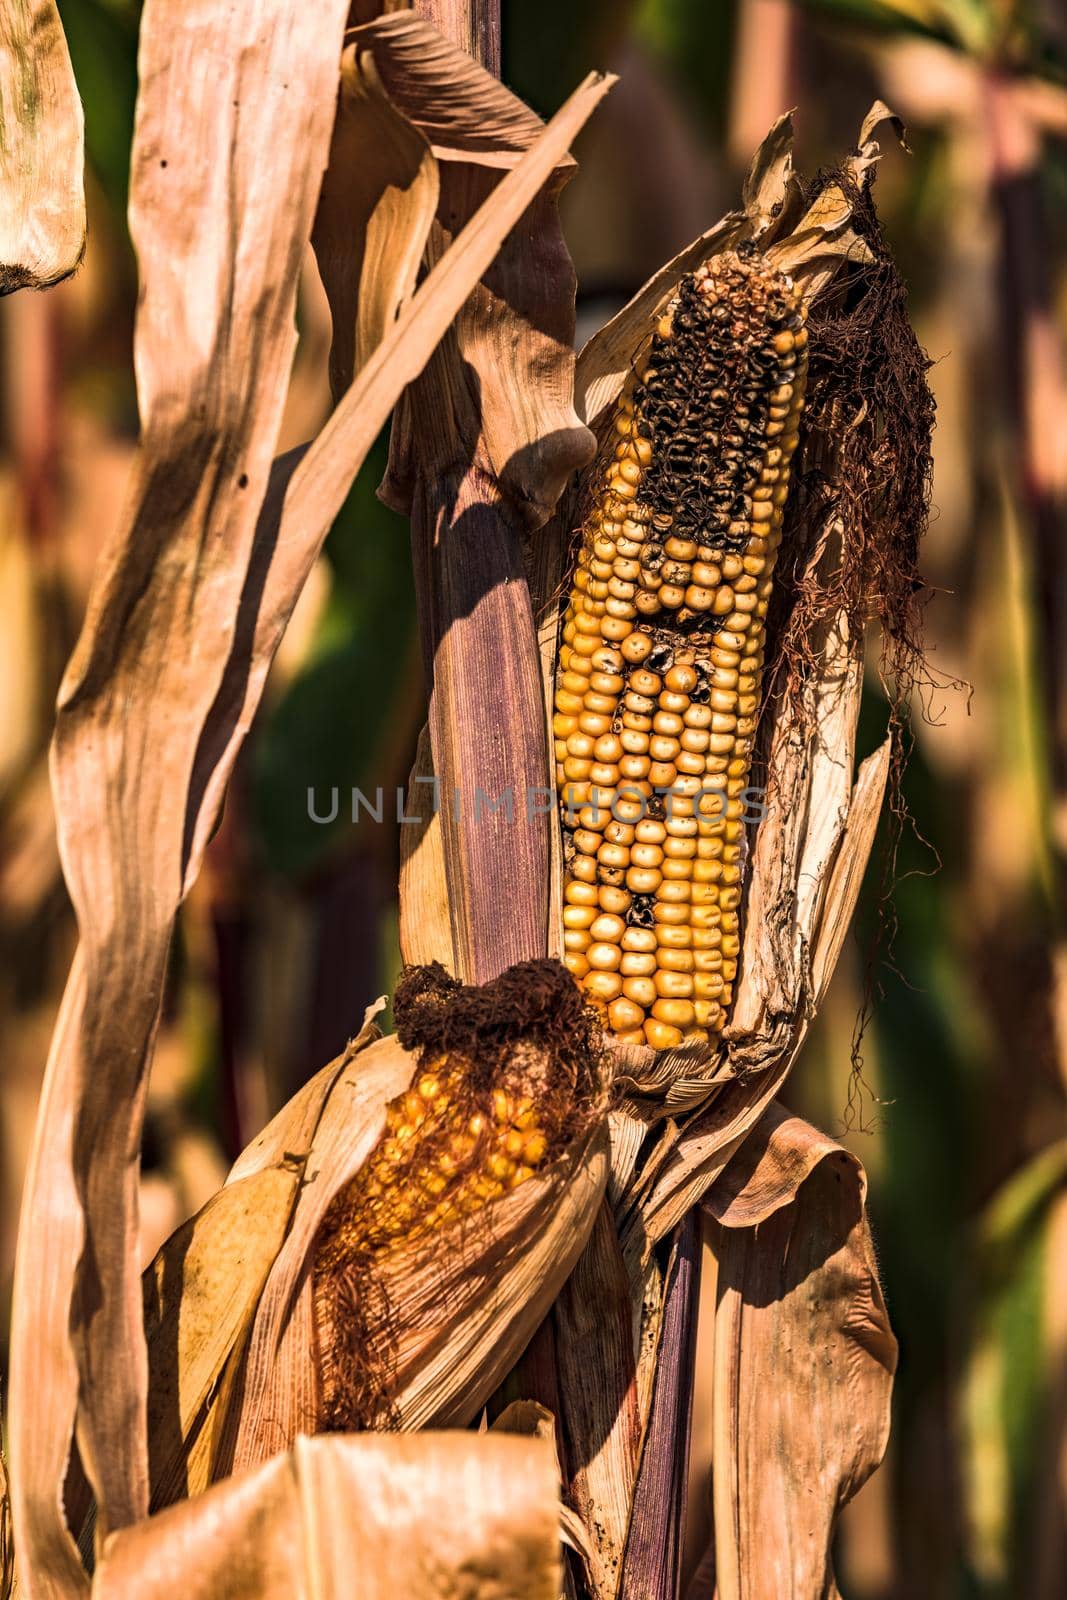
(145, 741)
(461, 1309)
(42, 187)
(804, 1359)
(445, 1513)
(710, 1137)
(203, 1289)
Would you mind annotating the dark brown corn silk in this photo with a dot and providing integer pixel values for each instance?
(866, 471)
(508, 1076)
(661, 656)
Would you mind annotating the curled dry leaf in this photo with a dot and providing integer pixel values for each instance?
(379, 195)
(144, 744)
(798, 1298)
(448, 1513)
(42, 195)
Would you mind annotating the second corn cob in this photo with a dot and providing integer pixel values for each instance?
(662, 652)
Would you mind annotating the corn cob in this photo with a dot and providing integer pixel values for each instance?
(661, 656)
(437, 1161)
(509, 1076)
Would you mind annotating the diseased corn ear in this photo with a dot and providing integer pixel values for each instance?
(507, 1088)
(660, 665)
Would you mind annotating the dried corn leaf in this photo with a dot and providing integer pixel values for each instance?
(42, 198)
(439, 1514)
(214, 343)
(379, 196)
(506, 368)
(804, 1359)
(210, 418)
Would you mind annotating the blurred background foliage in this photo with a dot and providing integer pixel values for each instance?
(958, 1108)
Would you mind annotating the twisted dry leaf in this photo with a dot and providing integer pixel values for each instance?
(799, 1298)
(145, 745)
(42, 195)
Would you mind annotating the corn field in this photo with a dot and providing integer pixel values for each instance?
(533, 799)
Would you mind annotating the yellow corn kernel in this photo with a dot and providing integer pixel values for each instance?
(667, 620)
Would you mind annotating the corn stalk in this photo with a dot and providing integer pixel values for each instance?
(576, 1245)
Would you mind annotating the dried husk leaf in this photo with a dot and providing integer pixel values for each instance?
(292, 1129)
(42, 214)
(448, 1513)
(798, 1300)
(158, 778)
(473, 1308)
(276, 1394)
(204, 1286)
(200, 1293)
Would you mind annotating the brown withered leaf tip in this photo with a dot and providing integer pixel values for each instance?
(510, 1074)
